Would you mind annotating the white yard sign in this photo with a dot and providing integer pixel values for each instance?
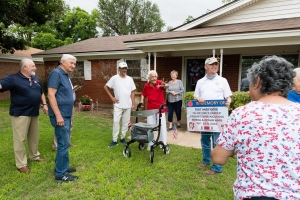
(210, 116)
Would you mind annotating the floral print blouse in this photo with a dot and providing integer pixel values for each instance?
(266, 138)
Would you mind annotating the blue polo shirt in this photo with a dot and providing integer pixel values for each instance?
(59, 80)
(25, 95)
(293, 96)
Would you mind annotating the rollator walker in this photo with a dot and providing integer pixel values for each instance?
(144, 133)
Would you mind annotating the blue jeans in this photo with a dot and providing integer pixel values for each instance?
(206, 148)
(63, 143)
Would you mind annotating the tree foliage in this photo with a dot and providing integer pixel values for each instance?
(188, 19)
(78, 25)
(227, 1)
(23, 13)
(123, 17)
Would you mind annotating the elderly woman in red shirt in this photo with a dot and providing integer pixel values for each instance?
(154, 91)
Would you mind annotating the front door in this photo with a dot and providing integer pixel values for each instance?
(195, 71)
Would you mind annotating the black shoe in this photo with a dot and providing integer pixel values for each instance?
(65, 178)
(69, 170)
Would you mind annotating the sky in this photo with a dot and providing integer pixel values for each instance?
(173, 12)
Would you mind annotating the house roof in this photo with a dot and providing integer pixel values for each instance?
(23, 53)
(249, 27)
(220, 12)
(118, 43)
(101, 44)
(20, 54)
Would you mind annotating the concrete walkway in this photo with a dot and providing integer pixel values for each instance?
(185, 138)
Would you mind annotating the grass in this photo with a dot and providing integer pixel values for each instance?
(104, 173)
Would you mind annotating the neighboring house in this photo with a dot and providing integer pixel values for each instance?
(10, 64)
(239, 33)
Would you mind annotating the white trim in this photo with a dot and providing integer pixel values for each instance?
(91, 53)
(236, 5)
(218, 38)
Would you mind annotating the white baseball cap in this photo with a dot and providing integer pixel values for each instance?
(122, 64)
(211, 60)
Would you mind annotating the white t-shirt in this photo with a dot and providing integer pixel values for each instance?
(215, 89)
(122, 90)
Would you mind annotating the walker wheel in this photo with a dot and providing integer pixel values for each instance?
(151, 155)
(167, 149)
(141, 146)
(126, 152)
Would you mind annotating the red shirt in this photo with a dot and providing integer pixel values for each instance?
(155, 95)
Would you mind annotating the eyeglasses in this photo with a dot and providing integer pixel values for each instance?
(30, 82)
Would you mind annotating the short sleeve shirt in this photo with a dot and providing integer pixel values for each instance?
(293, 96)
(155, 95)
(25, 94)
(215, 89)
(122, 90)
(59, 80)
(266, 138)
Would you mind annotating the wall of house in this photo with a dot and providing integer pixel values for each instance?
(260, 11)
(102, 70)
(7, 68)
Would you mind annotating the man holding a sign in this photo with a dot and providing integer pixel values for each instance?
(211, 87)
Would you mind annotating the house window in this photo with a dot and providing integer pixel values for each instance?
(79, 70)
(134, 68)
(248, 61)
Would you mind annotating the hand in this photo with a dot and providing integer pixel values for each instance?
(200, 100)
(227, 104)
(233, 155)
(164, 83)
(45, 109)
(60, 121)
(114, 100)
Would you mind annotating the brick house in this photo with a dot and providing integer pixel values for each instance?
(239, 34)
(10, 64)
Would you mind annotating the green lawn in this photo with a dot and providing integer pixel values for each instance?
(104, 173)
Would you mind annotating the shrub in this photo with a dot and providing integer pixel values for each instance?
(239, 99)
(188, 96)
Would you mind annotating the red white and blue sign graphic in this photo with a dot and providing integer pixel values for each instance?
(209, 116)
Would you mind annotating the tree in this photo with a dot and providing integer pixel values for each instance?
(188, 19)
(227, 1)
(23, 13)
(78, 25)
(123, 17)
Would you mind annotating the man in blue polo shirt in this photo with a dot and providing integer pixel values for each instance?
(26, 96)
(61, 101)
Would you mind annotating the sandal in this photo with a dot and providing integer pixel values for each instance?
(178, 126)
(170, 129)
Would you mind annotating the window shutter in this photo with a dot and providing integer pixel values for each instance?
(144, 69)
(87, 70)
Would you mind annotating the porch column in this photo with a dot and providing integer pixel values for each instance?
(149, 61)
(214, 52)
(221, 62)
(154, 61)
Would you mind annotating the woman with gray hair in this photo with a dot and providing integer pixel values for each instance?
(294, 94)
(264, 135)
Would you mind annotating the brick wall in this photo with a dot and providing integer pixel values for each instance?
(7, 68)
(231, 70)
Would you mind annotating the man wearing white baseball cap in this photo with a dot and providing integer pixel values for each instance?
(123, 100)
(211, 87)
